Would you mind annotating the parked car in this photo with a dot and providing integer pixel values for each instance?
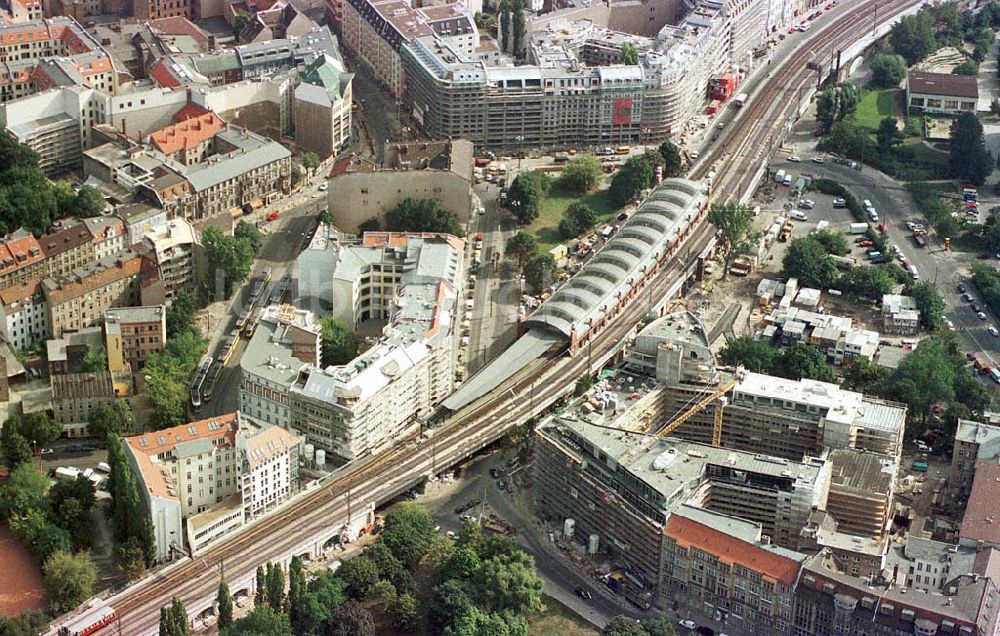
(795, 159)
(993, 331)
(583, 592)
(818, 160)
(976, 308)
(808, 204)
(961, 288)
(689, 624)
(839, 203)
(981, 315)
(969, 298)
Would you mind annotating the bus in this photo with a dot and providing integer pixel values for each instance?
(93, 621)
(623, 150)
(198, 381)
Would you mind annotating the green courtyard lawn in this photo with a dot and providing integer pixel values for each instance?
(877, 105)
(545, 227)
(558, 620)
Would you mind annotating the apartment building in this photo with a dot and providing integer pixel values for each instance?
(828, 602)
(861, 491)
(316, 264)
(69, 247)
(975, 442)
(928, 566)
(158, 9)
(176, 251)
(108, 234)
(75, 395)
(900, 315)
(361, 190)
(21, 259)
(55, 124)
(24, 316)
(721, 569)
(375, 31)
(203, 479)
(188, 141)
(133, 333)
(323, 107)
(80, 298)
(141, 219)
(239, 169)
(980, 527)
(413, 282)
(624, 487)
(286, 339)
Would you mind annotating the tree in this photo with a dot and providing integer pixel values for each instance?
(925, 376)
(40, 429)
(29, 623)
(262, 621)
(913, 37)
(517, 26)
(888, 135)
(297, 175)
(581, 175)
(505, 25)
(508, 582)
(359, 573)
(538, 273)
(629, 54)
(995, 107)
(230, 259)
(180, 313)
(310, 160)
(888, 70)
(867, 282)
(242, 19)
(464, 563)
(802, 361)
(968, 67)
(422, 215)
(577, 219)
(174, 619)
(131, 559)
(275, 587)
(833, 241)
(626, 626)
(23, 490)
(526, 195)
(260, 581)
(476, 622)
(826, 107)
(69, 508)
(88, 202)
(350, 619)
(408, 530)
(405, 613)
(370, 225)
(736, 234)
(296, 587)
(807, 260)
(451, 599)
(390, 568)
(755, 355)
(249, 232)
(15, 448)
(522, 247)
(42, 537)
(865, 377)
(673, 165)
(168, 374)
(324, 593)
(225, 601)
(110, 419)
(632, 178)
(970, 160)
(339, 346)
(929, 303)
(583, 384)
(68, 580)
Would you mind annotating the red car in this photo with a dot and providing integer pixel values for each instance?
(866, 243)
(273, 216)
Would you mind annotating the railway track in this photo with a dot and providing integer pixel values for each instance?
(384, 476)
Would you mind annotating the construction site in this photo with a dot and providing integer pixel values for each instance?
(670, 432)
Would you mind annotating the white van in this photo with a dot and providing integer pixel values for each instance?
(779, 177)
(798, 215)
(787, 181)
(867, 205)
(913, 272)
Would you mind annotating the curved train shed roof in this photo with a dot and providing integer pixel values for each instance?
(660, 219)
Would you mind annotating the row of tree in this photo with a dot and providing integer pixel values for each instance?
(21, 437)
(536, 268)
(53, 523)
(168, 375)
(131, 524)
(512, 26)
(916, 36)
(795, 362)
(230, 258)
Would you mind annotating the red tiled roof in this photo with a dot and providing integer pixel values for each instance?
(981, 522)
(16, 253)
(189, 112)
(730, 550)
(341, 165)
(187, 133)
(162, 75)
(19, 293)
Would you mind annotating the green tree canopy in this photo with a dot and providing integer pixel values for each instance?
(833, 241)
(310, 160)
(249, 232)
(180, 313)
(635, 175)
(359, 573)
(673, 165)
(736, 234)
(968, 67)
(522, 247)
(926, 375)
(865, 377)
(350, 618)
(580, 175)
(14, 447)
(929, 302)
(69, 505)
(168, 374)
(339, 346)
(225, 602)
(230, 259)
(802, 361)
(23, 490)
(970, 160)
(408, 531)
(174, 619)
(807, 260)
(577, 219)
(526, 194)
(40, 429)
(262, 621)
(629, 54)
(422, 215)
(113, 419)
(755, 355)
(888, 70)
(68, 580)
(866, 281)
(888, 135)
(477, 622)
(913, 37)
(538, 273)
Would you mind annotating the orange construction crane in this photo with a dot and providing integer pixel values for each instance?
(717, 396)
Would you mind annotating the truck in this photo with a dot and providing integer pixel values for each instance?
(67, 474)
(843, 262)
(741, 99)
(779, 176)
(786, 231)
(858, 228)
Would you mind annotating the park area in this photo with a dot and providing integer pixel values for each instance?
(545, 227)
(558, 620)
(876, 105)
